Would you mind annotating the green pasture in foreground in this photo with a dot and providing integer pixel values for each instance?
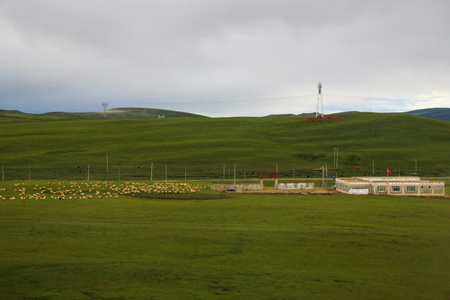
(238, 246)
(62, 148)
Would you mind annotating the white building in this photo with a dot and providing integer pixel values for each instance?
(405, 186)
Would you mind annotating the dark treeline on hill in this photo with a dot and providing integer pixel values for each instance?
(257, 144)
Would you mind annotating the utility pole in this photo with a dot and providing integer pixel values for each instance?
(334, 157)
(337, 158)
(323, 176)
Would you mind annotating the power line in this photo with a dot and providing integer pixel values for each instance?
(228, 101)
(375, 98)
(270, 99)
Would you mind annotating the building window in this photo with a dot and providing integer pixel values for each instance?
(410, 189)
(438, 187)
(396, 189)
(381, 189)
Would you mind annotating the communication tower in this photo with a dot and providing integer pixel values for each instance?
(105, 106)
(319, 107)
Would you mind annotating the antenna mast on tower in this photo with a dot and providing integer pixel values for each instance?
(320, 103)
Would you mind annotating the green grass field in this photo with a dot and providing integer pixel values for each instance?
(207, 245)
(62, 148)
(103, 239)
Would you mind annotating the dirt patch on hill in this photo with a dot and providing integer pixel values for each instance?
(332, 118)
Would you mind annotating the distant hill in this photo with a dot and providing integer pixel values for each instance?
(432, 113)
(308, 114)
(127, 113)
(442, 114)
(15, 115)
(10, 111)
(115, 113)
(293, 115)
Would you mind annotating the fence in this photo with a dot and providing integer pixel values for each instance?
(163, 172)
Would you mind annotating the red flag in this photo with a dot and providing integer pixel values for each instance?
(389, 171)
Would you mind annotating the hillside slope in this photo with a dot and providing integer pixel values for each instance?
(388, 140)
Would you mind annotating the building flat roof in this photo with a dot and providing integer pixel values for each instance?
(386, 180)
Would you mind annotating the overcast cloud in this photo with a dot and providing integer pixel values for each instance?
(224, 58)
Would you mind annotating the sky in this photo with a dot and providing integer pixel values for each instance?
(224, 58)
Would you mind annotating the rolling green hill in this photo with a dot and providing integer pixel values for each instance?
(9, 115)
(127, 113)
(115, 113)
(393, 141)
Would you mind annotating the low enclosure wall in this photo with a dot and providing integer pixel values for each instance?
(260, 186)
(237, 187)
(296, 186)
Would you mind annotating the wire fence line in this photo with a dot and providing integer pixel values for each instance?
(166, 172)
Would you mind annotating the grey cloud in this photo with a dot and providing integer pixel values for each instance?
(152, 52)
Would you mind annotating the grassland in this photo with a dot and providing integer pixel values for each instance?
(238, 247)
(62, 148)
(89, 244)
